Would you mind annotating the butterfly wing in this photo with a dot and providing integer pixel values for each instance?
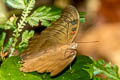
(65, 29)
(54, 60)
(61, 33)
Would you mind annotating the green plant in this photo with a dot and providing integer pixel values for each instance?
(83, 67)
(4, 46)
(110, 71)
(21, 24)
(43, 14)
(82, 18)
(100, 67)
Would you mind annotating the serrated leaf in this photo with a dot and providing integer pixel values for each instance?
(100, 67)
(18, 4)
(115, 68)
(27, 35)
(45, 14)
(10, 24)
(45, 23)
(32, 21)
(25, 39)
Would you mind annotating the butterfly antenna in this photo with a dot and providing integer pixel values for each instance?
(88, 42)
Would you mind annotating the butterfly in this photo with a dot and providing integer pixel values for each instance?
(54, 49)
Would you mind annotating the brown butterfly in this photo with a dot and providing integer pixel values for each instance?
(54, 49)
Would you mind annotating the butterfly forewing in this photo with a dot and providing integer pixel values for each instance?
(51, 51)
(65, 29)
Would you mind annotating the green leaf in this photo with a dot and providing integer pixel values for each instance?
(46, 14)
(18, 4)
(10, 24)
(31, 34)
(82, 18)
(5, 26)
(45, 23)
(7, 45)
(110, 71)
(2, 39)
(82, 13)
(10, 71)
(76, 72)
(90, 70)
(26, 36)
(97, 78)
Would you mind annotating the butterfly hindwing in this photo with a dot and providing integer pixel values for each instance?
(51, 61)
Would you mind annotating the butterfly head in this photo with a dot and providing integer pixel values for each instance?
(73, 45)
(71, 51)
